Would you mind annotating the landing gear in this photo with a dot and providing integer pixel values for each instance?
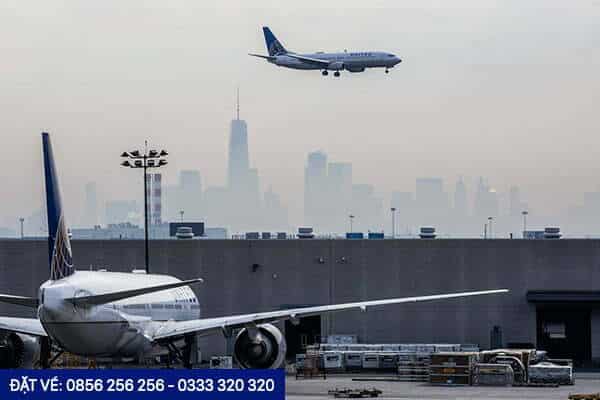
(184, 356)
(336, 74)
(325, 73)
(387, 71)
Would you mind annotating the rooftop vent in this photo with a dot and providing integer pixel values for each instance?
(427, 232)
(552, 232)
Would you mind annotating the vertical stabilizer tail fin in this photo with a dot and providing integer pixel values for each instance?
(59, 245)
(274, 46)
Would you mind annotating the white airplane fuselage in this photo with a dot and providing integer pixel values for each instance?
(350, 61)
(119, 328)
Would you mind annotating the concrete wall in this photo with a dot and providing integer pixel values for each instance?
(310, 272)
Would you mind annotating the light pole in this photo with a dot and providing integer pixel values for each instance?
(145, 160)
(22, 220)
(524, 214)
(351, 220)
(181, 213)
(393, 210)
(490, 219)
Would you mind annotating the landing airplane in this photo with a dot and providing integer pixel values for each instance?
(131, 315)
(349, 61)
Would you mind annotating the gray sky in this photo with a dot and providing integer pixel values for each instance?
(504, 89)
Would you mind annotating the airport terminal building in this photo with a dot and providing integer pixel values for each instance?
(553, 304)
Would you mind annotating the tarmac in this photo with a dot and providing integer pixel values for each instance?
(317, 388)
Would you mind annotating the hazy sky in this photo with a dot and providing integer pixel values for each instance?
(504, 89)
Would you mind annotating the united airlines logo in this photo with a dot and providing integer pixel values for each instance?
(62, 258)
(275, 48)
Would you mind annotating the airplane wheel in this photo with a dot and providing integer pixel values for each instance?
(387, 71)
(325, 73)
(336, 73)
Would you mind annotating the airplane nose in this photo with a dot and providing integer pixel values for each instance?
(398, 60)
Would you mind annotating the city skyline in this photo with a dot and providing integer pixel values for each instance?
(505, 90)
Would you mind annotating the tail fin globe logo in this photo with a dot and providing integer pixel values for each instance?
(59, 245)
(274, 46)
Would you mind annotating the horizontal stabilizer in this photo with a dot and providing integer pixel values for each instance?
(125, 294)
(270, 58)
(19, 300)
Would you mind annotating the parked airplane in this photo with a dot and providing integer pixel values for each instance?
(349, 61)
(116, 315)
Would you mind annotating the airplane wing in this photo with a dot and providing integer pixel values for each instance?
(208, 326)
(19, 300)
(323, 63)
(29, 326)
(270, 58)
(124, 294)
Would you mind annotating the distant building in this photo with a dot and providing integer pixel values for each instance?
(486, 200)
(431, 201)
(404, 203)
(367, 209)
(515, 206)
(339, 177)
(460, 199)
(90, 208)
(121, 231)
(316, 189)
(7, 232)
(154, 198)
(120, 211)
(243, 203)
(275, 213)
(189, 194)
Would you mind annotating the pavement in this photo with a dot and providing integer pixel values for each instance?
(316, 388)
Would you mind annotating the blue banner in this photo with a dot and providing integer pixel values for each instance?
(116, 384)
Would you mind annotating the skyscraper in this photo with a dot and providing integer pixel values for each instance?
(315, 189)
(243, 205)
(239, 164)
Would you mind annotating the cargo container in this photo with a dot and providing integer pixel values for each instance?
(353, 360)
(370, 360)
(333, 360)
(388, 361)
(354, 235)
(493, 375)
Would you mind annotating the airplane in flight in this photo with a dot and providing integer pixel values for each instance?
(325, 62)
(116, 316)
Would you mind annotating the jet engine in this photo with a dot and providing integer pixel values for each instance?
(261, 347)
(355, 69)
(336, 66)
(19, 351)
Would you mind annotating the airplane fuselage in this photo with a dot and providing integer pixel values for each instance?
(117, 329)
(350, 61)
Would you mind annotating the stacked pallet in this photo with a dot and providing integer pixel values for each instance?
(452, 368)
(413, 367)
